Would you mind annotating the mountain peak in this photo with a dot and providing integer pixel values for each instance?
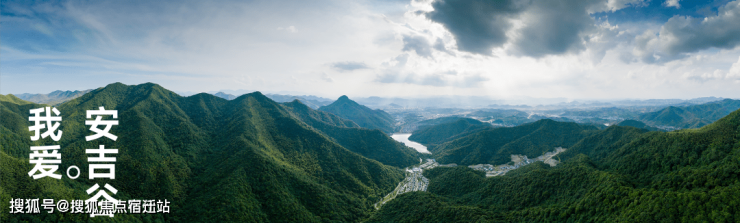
(223, 95)
(360, 114)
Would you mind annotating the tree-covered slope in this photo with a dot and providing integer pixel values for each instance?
(637, 124)
(693, 116)
(13, 99)
(248, 159)
(495, 146)
(620, 174)
(370, 143)
(363, 116)
(447, 130)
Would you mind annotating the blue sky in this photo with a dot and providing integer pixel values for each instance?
(502, 49)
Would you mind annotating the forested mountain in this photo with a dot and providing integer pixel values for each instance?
(620, 174)
(637, 124)
(448, 129)
(244, 160)
(363, 116)
(495, 146)
(693, 116)
(371, 143)
(52, 98)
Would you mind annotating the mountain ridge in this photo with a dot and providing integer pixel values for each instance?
(199, 151)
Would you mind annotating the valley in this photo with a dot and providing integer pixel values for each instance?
(415, 180)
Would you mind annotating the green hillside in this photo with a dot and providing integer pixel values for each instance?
(495, 146)
(637, 124)
(447, 130)
(363, 116)
(620, 174)
(371, 143)
(244, 160)
(693, 116)
(13, 99)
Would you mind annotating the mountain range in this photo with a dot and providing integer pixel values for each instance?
(249, 159)
(311, 101)
(53, 98)
(693, 116)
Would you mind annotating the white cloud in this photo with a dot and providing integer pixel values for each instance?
(672, 3)
(734, 71)
(683, 35)
(326, 77)
(290, 29)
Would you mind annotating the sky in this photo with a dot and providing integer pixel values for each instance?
(576, 49)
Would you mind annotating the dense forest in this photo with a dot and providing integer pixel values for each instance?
(496, 145)
(249, 159)
(619, 174)
(446, 129)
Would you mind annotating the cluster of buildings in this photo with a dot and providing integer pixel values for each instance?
(519, 161)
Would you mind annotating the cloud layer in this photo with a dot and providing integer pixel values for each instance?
(685, 34)
(532, 28)
(555, 48)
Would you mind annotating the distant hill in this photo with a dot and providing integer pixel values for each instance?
(371, 143)
(225, 95)
(437, 121)
(694, 116)
(309, 100)
(447, 129)
(53, 98)
(363, 116)
(607, 112)
(495, 146)
(637, 124)
(249, 159)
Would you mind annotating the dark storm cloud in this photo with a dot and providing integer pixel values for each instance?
(478, 25)
(554, 27)
(349, 66)
(549, 27)
(418, 44)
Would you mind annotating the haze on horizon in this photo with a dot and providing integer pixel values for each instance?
(591, 49)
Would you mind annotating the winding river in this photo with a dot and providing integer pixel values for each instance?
(404, 138)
